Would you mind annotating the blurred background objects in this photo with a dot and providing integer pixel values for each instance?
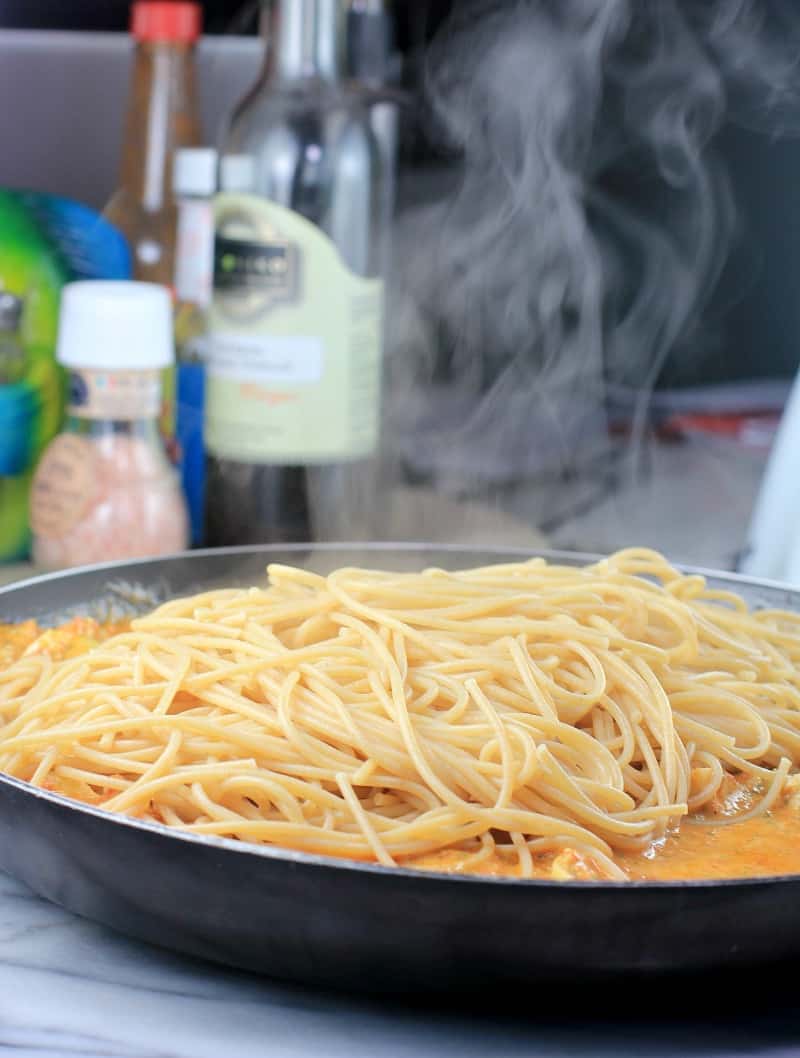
(591, 324)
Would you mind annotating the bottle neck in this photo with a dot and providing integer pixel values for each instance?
(303, 39)
(162, 117)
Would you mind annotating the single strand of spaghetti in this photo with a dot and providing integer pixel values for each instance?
(526, 772)
(211, 808)
(602, 727)
(785, 736)
(362, 819)
(540, 699)
(743, 764)
(166, 760)
(43, 768)
(108, 762)
(173, 686)
(461, 700)
(474, 860)
(506, 752)
(169, 816)
(524, 857)
(280, 574)
(91, 779)
(658, 793)
(315, 628)
(425, 693)
(363, 775)
(709, 789)
(664, 732)
(605, 798)
(188, 603)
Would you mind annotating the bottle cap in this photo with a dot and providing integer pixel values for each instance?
(115, 325)
(237, 172)
(10, 312)
(178, 22)
(194, 171)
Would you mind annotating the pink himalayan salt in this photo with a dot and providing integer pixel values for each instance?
(136, 510)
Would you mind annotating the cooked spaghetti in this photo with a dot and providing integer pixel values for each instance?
(521, 710)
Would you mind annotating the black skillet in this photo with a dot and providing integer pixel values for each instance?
(325, 921)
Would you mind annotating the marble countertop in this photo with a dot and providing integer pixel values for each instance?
(70, 988)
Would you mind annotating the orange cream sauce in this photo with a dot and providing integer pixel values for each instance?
(719, 847)
(67, 640)
(766, 845)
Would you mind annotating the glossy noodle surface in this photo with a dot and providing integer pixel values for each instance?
(614, 721)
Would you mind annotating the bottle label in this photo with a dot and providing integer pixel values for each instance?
(294, 356)
(125, 395)
(194, 252)
(62, 487)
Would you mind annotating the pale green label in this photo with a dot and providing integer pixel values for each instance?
(294, 361)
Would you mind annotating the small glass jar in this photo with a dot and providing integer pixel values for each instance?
(105, 489)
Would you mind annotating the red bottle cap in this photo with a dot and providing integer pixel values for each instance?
(166, 20)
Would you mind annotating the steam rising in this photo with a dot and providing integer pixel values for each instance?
(589, 223)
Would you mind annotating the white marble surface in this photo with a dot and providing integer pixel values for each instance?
(69, 988)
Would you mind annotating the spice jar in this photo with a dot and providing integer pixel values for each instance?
(104, 489)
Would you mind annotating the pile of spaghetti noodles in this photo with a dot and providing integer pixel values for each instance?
(382, 716)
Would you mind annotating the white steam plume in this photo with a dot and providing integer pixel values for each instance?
(588, 225)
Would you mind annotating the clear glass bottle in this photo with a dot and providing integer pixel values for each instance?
(163, 116)
(194, 184)
(104, 488)
(293, 391)
(370, 63)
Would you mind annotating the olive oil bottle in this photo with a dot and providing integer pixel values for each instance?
(294, 367)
